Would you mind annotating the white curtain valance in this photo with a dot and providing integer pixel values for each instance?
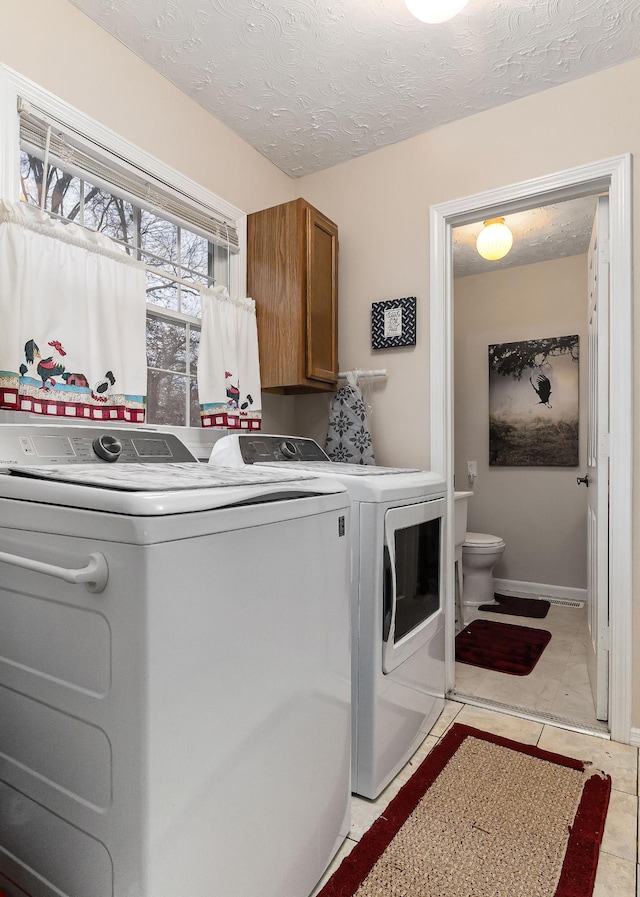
(228, 366)
(73, 307)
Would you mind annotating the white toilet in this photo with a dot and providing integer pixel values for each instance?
(480, 553)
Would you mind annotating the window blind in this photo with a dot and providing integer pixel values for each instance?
(41, 135)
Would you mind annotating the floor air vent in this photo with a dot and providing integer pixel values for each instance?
(561, 602)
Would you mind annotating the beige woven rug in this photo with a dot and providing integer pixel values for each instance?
(461, 845)
(483, 817)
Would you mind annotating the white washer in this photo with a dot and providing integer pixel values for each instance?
(176, 721)
(398, 643)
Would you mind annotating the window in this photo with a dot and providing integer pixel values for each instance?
(176, 260)
(188, 239)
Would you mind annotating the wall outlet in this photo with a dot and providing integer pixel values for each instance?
(472, 469)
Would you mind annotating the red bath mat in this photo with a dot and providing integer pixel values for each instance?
(503, 647)
(536, 608)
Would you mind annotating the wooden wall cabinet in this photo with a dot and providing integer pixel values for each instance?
(292, 274)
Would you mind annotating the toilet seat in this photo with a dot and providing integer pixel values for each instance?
(482, 543)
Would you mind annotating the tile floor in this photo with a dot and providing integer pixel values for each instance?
(618, 870)
(559, 682)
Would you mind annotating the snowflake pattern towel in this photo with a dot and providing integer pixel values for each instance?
(348, 438)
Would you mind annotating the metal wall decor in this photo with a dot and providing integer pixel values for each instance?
(393, 323)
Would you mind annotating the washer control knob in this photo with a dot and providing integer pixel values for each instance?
(289, 449)
(107, 447)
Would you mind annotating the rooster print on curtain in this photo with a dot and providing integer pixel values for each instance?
(52, 371)
(228, 367)
(73, 309)
(533, 402)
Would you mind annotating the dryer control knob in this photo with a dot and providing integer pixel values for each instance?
(107, 447)
(289, 449)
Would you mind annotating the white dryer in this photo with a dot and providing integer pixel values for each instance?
(397, 597)
(174, 670)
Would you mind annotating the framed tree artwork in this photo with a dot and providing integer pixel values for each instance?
(534, 403)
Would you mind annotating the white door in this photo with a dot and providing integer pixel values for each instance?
(597, 478)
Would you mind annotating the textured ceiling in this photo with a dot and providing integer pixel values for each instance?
(549, 232)
(310, 83)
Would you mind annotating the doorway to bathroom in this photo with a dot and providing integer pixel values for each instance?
(524, 317)
(611, 177)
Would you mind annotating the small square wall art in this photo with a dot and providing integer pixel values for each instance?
(533, 403)
(393, 323)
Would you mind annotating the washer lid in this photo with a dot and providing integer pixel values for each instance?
(159, 489)
(320, 468)
(157, 477)
(364, 482)
(482, 540)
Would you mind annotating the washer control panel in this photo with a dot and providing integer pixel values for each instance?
(258, 449)
(48, 444)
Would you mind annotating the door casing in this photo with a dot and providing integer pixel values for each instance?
(597, 458)
(613, 176)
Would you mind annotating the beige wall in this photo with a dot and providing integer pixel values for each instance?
(381, 204)
(540, 512)
(380, 201)
(62, 50)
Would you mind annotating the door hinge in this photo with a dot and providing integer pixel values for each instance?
(605, 444)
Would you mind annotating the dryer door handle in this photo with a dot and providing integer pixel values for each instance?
(387, 596)
(94, 575)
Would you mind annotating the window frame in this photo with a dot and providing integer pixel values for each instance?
(14, 85)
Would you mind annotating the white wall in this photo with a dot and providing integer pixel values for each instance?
(540, 512)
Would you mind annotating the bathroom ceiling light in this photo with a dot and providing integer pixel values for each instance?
(435, 11)
(494, 240)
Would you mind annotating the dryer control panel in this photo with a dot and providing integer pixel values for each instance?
(258, 449)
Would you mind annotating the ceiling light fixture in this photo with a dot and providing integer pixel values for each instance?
(494, 240)
(435, 11)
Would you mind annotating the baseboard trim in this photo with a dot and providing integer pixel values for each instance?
(538, 589)
(634, 737)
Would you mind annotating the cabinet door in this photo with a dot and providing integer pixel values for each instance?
(322, 298)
